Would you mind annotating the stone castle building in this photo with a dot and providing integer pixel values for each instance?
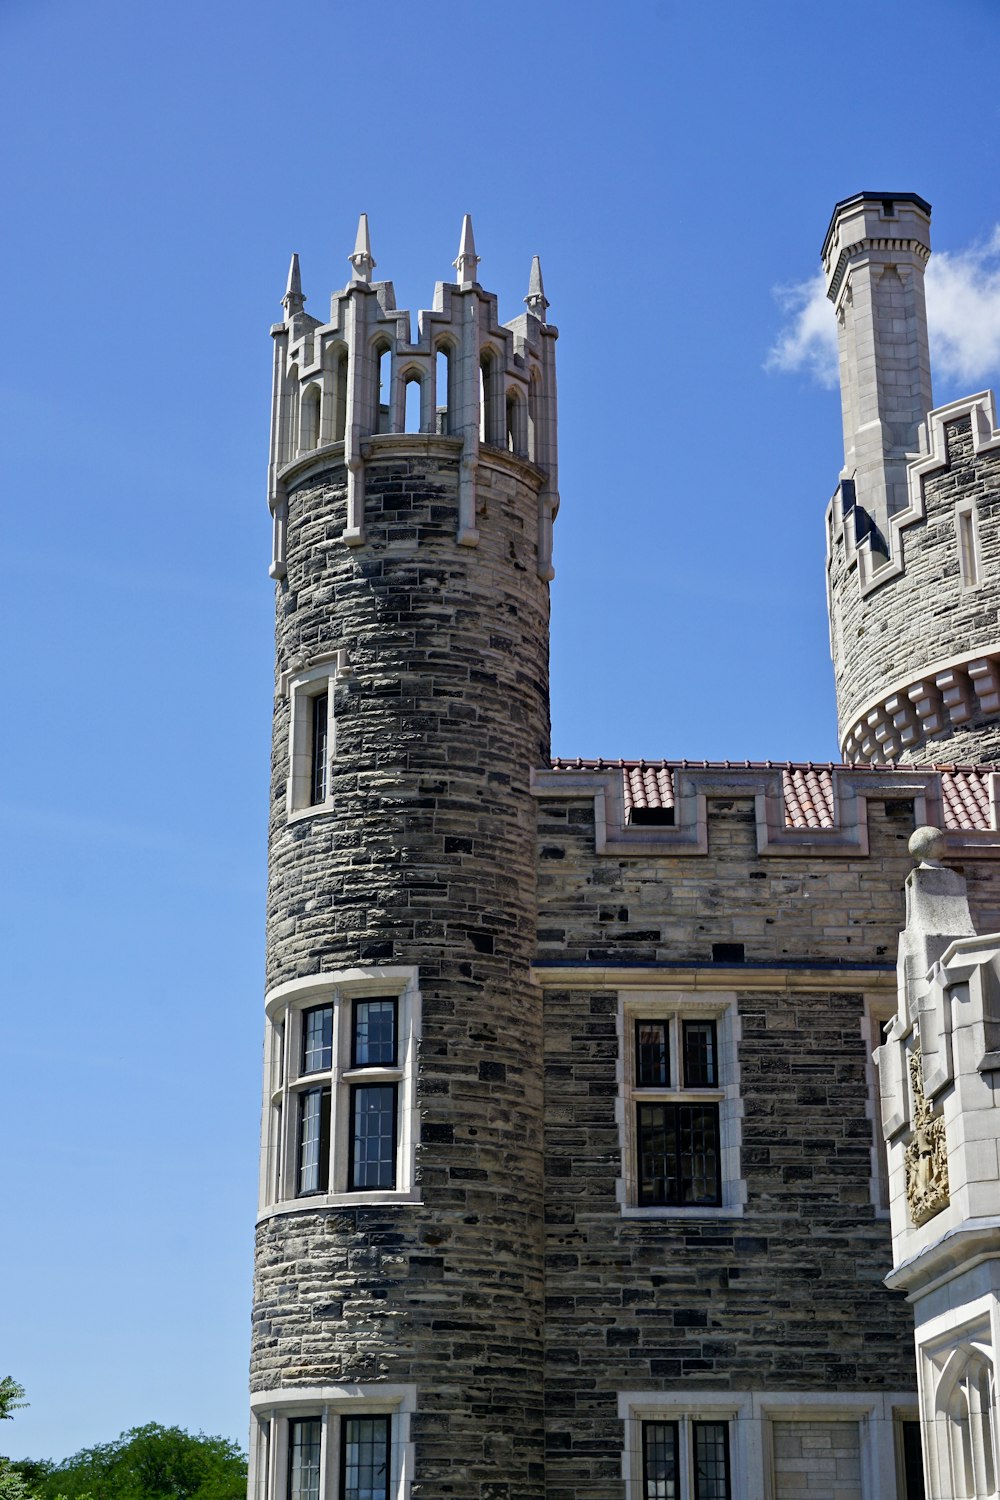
(578, 1178)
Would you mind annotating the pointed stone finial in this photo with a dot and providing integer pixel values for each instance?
(361, 260)
(536, 300)
(293, 300)
(467, 259)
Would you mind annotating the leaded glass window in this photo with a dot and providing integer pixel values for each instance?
(701, 1070)
(679, 1157)
(711, 1460)
(374, 1038)
(317, 1039)
(304, 1448)
(373, 1136)
(365, 1457)
(659, 1461)
(314, 1141)
(652, 1054)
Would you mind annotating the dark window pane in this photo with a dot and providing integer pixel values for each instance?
(373, 1136)
(320, 764)
(913, 1461)
(314, 1141)
(317, 1038)
(698, 1137)
(365, 1458)
(711, 1460)
(652, 1054)
(701, 1068)
(659, 1461)
(678, 1150)
(303, 1458)
(657, 1143)
(374, 1033)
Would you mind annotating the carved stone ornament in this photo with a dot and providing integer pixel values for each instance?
(926, 1154)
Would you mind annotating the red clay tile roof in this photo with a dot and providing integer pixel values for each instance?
(808, 788)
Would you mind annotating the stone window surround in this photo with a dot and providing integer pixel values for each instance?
(270, 1414)
(969, 553)
(286, 1002)
(878, 1011)
(300, 687)
(944, 1343)
(719, 1006)
(751, 1415)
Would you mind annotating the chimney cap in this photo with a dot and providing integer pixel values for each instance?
(838, 208)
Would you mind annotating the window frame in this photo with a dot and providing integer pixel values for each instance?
(273, 1412)
(676, 1007)
(303, 689)
(286, 1082)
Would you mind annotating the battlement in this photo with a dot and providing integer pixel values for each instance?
(645, 808)
(468, 377)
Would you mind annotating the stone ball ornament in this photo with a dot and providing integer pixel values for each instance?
(927, 845)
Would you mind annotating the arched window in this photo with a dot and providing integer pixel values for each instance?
(517, 427)
(340, 399)
(442, 389)
(383, 389)
(966, 1399)
(309, 418)
(412, 403)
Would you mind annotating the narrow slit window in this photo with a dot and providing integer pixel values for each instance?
(968, 548)
(320, 767)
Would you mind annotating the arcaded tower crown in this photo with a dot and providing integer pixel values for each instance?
(399, 1251)
(913, 545)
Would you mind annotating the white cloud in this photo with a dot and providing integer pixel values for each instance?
(963, 317)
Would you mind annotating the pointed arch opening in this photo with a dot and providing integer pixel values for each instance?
(413, 400)
(443, 400)
(340, 397)
(488, 399)
(966, 1401)
(383, 388)
(309, 418)
(516, 423)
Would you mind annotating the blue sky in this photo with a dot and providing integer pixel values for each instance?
(674, 166)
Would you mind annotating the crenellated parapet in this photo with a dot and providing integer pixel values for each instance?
(914, 616)
(482, 388)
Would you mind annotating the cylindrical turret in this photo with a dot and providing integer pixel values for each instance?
(399, 1264)
(913, 544)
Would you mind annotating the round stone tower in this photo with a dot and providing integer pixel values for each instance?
(912, 536)
(398, 1312)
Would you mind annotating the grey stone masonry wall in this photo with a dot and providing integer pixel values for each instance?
(924, 617)
(674, 908)
(426, 858)
(788, 1294)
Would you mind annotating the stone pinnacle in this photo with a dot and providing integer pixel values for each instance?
(467, 260)
(361, 259)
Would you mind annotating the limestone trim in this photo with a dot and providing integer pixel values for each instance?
(715, 978)
(303, 688)
(948, 693)
(981, 409)
(879, 1012)
(751, 1415)
(284, 1079)
(272, 1410)
(852, 787)
(678, 1005)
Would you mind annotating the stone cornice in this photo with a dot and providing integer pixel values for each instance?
(947, 693)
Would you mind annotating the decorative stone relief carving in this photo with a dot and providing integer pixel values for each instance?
(926, 1154)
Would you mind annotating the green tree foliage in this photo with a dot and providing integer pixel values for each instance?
(148, 1463)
